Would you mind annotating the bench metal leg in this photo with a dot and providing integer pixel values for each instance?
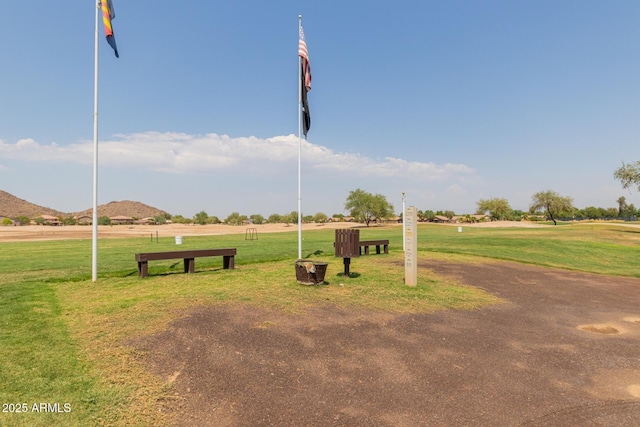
(228, 262)
(189, 265)
(366, 250)
(143, 269)
(386, 249)
(378, 249)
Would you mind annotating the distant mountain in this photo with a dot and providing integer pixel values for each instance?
(12, 207)
(124, 208)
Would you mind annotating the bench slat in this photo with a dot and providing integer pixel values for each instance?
(376, 243)
(189, 256)
(195, 253)
(373, 242)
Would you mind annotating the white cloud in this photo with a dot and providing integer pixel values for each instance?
(172, 152)
(30, 150)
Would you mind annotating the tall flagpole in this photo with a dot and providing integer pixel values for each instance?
(94, 247)
(299, 146)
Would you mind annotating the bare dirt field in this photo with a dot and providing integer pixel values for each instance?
(43, 232)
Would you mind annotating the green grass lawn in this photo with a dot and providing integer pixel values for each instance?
(64, 339)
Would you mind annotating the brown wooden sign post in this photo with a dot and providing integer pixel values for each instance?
(347, 246)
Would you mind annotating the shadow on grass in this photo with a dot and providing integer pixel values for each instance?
(349, 276)
(316, 253)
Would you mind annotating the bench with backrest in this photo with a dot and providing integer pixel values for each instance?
(188, 256)
(377, 243)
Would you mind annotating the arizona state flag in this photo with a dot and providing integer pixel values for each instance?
(108, 15)
(305, 86)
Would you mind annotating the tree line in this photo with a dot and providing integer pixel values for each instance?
(361, 205)
(235, 218)
(366, 207)
(370, 208)
(552, 206)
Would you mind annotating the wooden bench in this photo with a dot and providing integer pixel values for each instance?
(189, 257)
(376, 243)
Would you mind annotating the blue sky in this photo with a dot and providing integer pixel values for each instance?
(448, 101)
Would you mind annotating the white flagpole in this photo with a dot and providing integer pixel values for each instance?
(299, 145)
(94, 247)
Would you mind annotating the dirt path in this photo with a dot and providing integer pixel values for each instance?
(563, 349)
(44, 232)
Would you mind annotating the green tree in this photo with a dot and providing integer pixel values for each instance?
(69, 220)
(7, 221)
(179, 219)
(274, 218)
(449, 214)
(622, 205)
(428, 215)
(366, 207)
(160, 219)
(498, 208)
(257, 219)
(235, 218)
(23, 220)
(591, 212)
(469, 219)
(291, 217)
(630, 211)
(201, 218)
(552, 203)
(213, 220)
(104, 220)
(628, 174)
(320, 218)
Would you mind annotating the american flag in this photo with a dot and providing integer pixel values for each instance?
(304, 54)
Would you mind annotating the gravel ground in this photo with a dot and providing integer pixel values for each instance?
(562, 349)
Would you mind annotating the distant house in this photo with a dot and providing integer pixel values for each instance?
(392, 220)
(146, 221)
(48, 220)
(121, 219)
(84, 219)
(481, 218)
(441, 219)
